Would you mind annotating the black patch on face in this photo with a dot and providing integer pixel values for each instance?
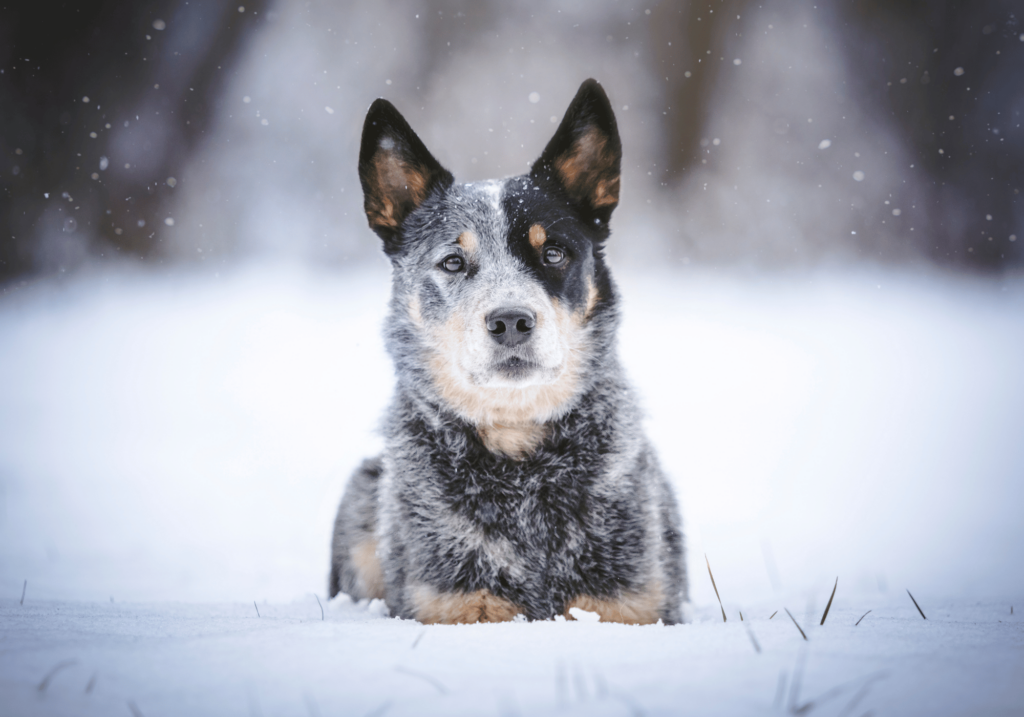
(526, 204)
(571, 192)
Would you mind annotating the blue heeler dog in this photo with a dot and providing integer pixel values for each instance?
(516, 479)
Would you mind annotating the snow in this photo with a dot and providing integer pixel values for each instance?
(198, 659)
(173, 446)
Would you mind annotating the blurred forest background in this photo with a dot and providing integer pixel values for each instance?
(756, 133)
(819, 243)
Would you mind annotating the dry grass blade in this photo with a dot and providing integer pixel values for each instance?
(773, 614)
(830, 600)
(916, 605)
(417, 640)
(802, 633)
(136, 712)
(320, 604)
(257, 608)
(25, 586)
(724, 619)
(741, 616)
(861, 618)
(53, 672)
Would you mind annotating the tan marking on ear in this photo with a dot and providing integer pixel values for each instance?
(395, 189)
(397, 177)
(371, 577)
(515, 442)
(431, 607)
(468, 241)
(537, 236)
(632, 608)
(586, 171)
(574, 165)
(414, 311)
(380, 211)
(607, 193)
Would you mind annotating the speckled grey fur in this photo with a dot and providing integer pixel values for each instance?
(587, 511)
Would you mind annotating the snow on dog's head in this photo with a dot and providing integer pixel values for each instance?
(500, 287)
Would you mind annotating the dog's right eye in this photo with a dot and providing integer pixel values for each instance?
(452, 263)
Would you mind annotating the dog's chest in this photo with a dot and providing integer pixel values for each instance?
(541, 514)
(528, 504)
(563, 521)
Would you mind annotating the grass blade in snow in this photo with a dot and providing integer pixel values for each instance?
(916, 605)
(802, 633)
(715, 587)
(830, 600)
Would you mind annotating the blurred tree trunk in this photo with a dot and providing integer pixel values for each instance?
(950, 73)
(963, 126)
(101, 102)
(689, 38)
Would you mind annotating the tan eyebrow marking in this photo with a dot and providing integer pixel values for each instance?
(468, 241)
(538, 236)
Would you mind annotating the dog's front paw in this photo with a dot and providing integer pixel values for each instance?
(633, 608)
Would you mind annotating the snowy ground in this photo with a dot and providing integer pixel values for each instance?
(172, 447)
(172, 658)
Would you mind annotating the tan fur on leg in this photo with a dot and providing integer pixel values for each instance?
(364, 559)
(460, 608)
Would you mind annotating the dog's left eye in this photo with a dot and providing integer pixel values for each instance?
(553, 256)
(453, 263)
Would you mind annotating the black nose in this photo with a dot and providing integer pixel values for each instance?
(511, 327)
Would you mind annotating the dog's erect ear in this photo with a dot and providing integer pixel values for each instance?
(396, 170)
(585, 154)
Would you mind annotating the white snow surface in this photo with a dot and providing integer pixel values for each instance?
(195, 659)
(173, 447)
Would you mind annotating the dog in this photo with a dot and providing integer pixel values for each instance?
(516, 479)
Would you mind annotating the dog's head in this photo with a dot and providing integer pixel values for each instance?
(500, 286)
